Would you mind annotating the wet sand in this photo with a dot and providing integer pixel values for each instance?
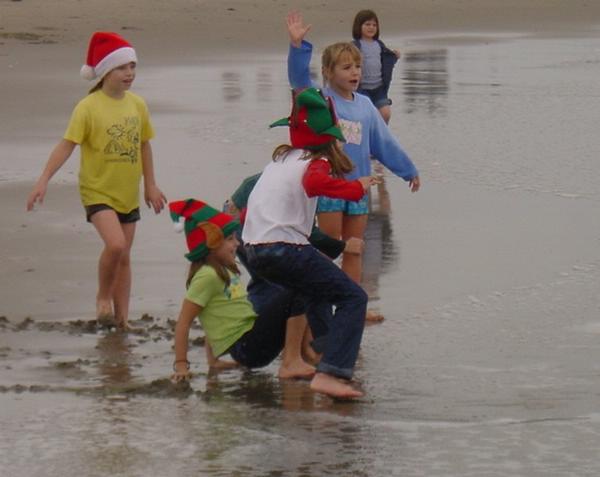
(487, 361)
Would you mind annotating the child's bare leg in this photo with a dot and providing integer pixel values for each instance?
(330, 223)
(308, 353)
(110, 231)
(122, 286)
(337, 225)
(354, 226)
(292, 364)
(334, 387)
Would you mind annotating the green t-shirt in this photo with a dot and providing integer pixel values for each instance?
(110, 132)
(226, 312)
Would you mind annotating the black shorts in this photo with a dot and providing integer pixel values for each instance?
(128, 218)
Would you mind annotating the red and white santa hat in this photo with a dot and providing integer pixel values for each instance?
(106, 52)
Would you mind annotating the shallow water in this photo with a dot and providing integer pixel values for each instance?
(487, 363)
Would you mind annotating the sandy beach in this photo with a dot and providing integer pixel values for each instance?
(486, 363)
(42, 48)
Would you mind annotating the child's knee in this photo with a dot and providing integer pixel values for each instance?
(125, 259)
(116, 248)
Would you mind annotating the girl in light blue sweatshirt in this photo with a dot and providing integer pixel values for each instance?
(365, 132)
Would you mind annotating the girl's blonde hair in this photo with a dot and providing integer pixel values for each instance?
(334, 54)
(339, 161)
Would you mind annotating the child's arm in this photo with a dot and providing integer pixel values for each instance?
(181, 366)
(333, 247)
(387, 150)
(152, 194)
(318, 181)
(59, 155)
(299, 53)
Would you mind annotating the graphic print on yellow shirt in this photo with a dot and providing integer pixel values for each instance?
(124, 140)
(110, 132)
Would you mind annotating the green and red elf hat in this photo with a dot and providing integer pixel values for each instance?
(313, 123)
(205, 227)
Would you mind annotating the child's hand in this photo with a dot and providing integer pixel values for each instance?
(154, 198)
(296, 28)
(354, 246)
(414, 184)
(368, 181)
(397, 53)
(230, 208)
(36, 195)
(182, 372)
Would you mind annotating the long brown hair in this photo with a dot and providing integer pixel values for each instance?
(97, 86)
(222, 270)
(337, 158)
(360, 18)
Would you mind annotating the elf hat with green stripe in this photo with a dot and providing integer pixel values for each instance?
(205, 227)
(313, 123)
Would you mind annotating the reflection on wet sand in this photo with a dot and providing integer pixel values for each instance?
(264, 85)
(262, 389)
(232, 88)
(114, 350)
(425, 81)
(380, 250)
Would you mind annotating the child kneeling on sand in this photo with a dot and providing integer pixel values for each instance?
(252, 333)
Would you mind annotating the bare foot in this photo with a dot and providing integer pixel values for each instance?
(104, 315)
(374, 316)
(334, 387)
(104, 309)
(123, 326)
(297, 369)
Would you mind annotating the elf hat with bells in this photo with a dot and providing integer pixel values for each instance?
(205, 227)
(313, 123)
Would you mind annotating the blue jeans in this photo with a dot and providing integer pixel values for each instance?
(273, 304)
(263, 343)
(305, 270)
(377, 96)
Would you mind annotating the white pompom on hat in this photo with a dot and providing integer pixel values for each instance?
(106, 52)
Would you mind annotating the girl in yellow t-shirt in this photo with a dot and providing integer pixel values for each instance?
(113, 129)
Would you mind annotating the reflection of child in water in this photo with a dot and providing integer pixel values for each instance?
(379, 246)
